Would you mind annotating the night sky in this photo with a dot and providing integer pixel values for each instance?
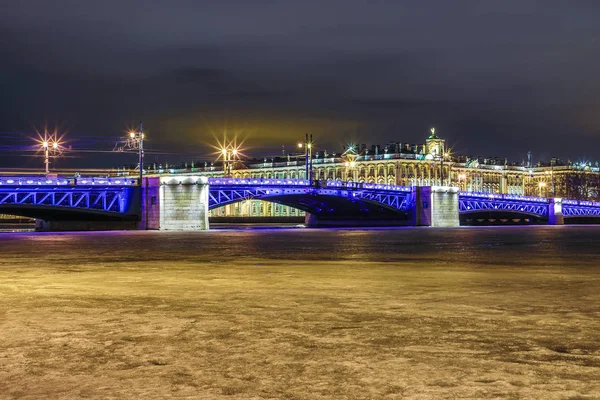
(497, 78)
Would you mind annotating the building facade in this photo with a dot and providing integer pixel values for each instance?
(430, 165)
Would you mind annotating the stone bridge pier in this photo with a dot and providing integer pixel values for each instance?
(435, 206)
(555, 212)
(178, 203)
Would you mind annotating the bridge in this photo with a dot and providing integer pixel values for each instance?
(87, 203)
(182, 202)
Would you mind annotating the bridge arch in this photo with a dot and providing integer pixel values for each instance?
(321, 202)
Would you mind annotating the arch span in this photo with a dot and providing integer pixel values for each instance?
(330, 203)
(503, 205)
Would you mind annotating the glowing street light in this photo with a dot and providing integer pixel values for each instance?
(229, 154)
(540, 186)
(307, 145)
(50, 144)
(136, 141)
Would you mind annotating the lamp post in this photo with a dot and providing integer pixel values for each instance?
(307, 145)
(49, 145)
(552, 161)
(350, 166)
(136, 140)
(442, 156)
(229, 154)
(540, 186)
(462, 180)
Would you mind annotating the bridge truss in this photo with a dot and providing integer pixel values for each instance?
(577, 208)
(398, 200)
(227, 190)
(472, 202)
(107, 199)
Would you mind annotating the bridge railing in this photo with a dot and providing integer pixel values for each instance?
(305, 182)
(581, 203)
(365, 185)
(260, 182)
(56, 181)
(496, 196)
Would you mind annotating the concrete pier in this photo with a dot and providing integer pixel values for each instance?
(179, 203)
(555, 213)
(435, 206)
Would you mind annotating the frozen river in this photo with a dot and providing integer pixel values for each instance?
(511, 312)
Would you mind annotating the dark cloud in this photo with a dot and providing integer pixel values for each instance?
(496, 78)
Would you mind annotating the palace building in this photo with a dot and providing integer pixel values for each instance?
(416, 165)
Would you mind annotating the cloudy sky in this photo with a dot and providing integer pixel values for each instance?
(497, 78)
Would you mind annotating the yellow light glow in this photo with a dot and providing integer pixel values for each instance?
(132, 134)
(45, 144)
(224, 151)
(234, 151)
(432, 131)
(462, 177)
(542, 184)
(55, 145)
(309, 145)
(300, 145)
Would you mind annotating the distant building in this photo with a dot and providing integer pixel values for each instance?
(418, 165)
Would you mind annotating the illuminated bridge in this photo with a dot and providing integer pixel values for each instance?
(333, 199)
(182, 202)
(94, 200)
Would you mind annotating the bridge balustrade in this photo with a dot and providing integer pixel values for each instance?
(580, 208)
(45, 181)
(475, 202)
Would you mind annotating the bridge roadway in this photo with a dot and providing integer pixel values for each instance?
(182, 202)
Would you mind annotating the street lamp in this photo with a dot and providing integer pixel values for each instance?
(462, 180)
(307, 145)
(136, 141)
(442, 157)
(541, 185)
(350, 166)
(229, 155)
(50, 145)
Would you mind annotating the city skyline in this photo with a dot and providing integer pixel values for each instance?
(511, 77)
